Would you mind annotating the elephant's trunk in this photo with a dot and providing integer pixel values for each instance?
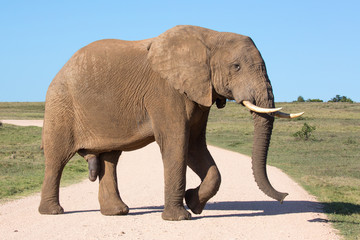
(263, 124)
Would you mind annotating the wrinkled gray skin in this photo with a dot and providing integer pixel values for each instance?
(115, 96)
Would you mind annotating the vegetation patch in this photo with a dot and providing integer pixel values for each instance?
(22, 110)
(306, 132)
(22, 162)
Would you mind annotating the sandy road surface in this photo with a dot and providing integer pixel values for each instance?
(37, 123)
(238, 211)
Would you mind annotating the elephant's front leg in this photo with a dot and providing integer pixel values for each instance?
(174, 159)
(109, 196)
(202, 163)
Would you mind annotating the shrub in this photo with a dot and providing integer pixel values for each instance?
(305, 133)
(339, 98)
(314, 100)
(300, 99)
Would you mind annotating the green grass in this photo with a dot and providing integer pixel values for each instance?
(327, 166)
(22, 162)
(22, 110)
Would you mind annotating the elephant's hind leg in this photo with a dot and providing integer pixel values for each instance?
(54, 165)
(201, 162)
(109, 196)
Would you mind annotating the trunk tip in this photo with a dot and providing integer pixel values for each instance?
(282, 197)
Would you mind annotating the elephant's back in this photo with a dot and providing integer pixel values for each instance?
(104, 67)
(118, 44)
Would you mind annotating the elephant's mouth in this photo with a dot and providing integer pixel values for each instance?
(275, 111)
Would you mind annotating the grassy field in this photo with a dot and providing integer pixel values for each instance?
(21, 159)
(22, 110)
(327, 165)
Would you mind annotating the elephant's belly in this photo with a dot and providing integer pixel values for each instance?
(116, 137)
(133, 142)
(111, 144)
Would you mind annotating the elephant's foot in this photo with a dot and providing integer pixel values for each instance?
(175, 214)
(111, 206)
(114, 210)
(46, 208)
(193, 201)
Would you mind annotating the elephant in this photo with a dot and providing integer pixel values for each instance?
(114, 96)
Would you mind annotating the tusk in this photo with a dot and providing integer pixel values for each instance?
(287, 115)
(257, 109)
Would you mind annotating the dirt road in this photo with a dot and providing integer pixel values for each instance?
(37, 123)
(238, 211)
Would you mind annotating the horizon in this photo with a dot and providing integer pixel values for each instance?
(310, 48)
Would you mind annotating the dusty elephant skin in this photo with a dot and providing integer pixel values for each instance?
(115, 96)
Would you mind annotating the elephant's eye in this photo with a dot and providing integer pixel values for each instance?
(236, 67)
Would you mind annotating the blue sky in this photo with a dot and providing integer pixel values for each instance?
(311, 48)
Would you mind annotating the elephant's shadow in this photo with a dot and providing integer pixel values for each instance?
(246, 209)
(262, 208)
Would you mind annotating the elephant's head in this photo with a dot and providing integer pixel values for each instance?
(211, 66)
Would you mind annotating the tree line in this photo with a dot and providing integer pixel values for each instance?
(337, 98)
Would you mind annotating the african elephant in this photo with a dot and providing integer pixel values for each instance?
(115, 96)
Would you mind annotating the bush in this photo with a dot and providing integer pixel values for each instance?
(339, 98)
(300, 99)
(314, 100)
(305, 133)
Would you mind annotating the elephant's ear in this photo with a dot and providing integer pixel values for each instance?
(180, 56)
